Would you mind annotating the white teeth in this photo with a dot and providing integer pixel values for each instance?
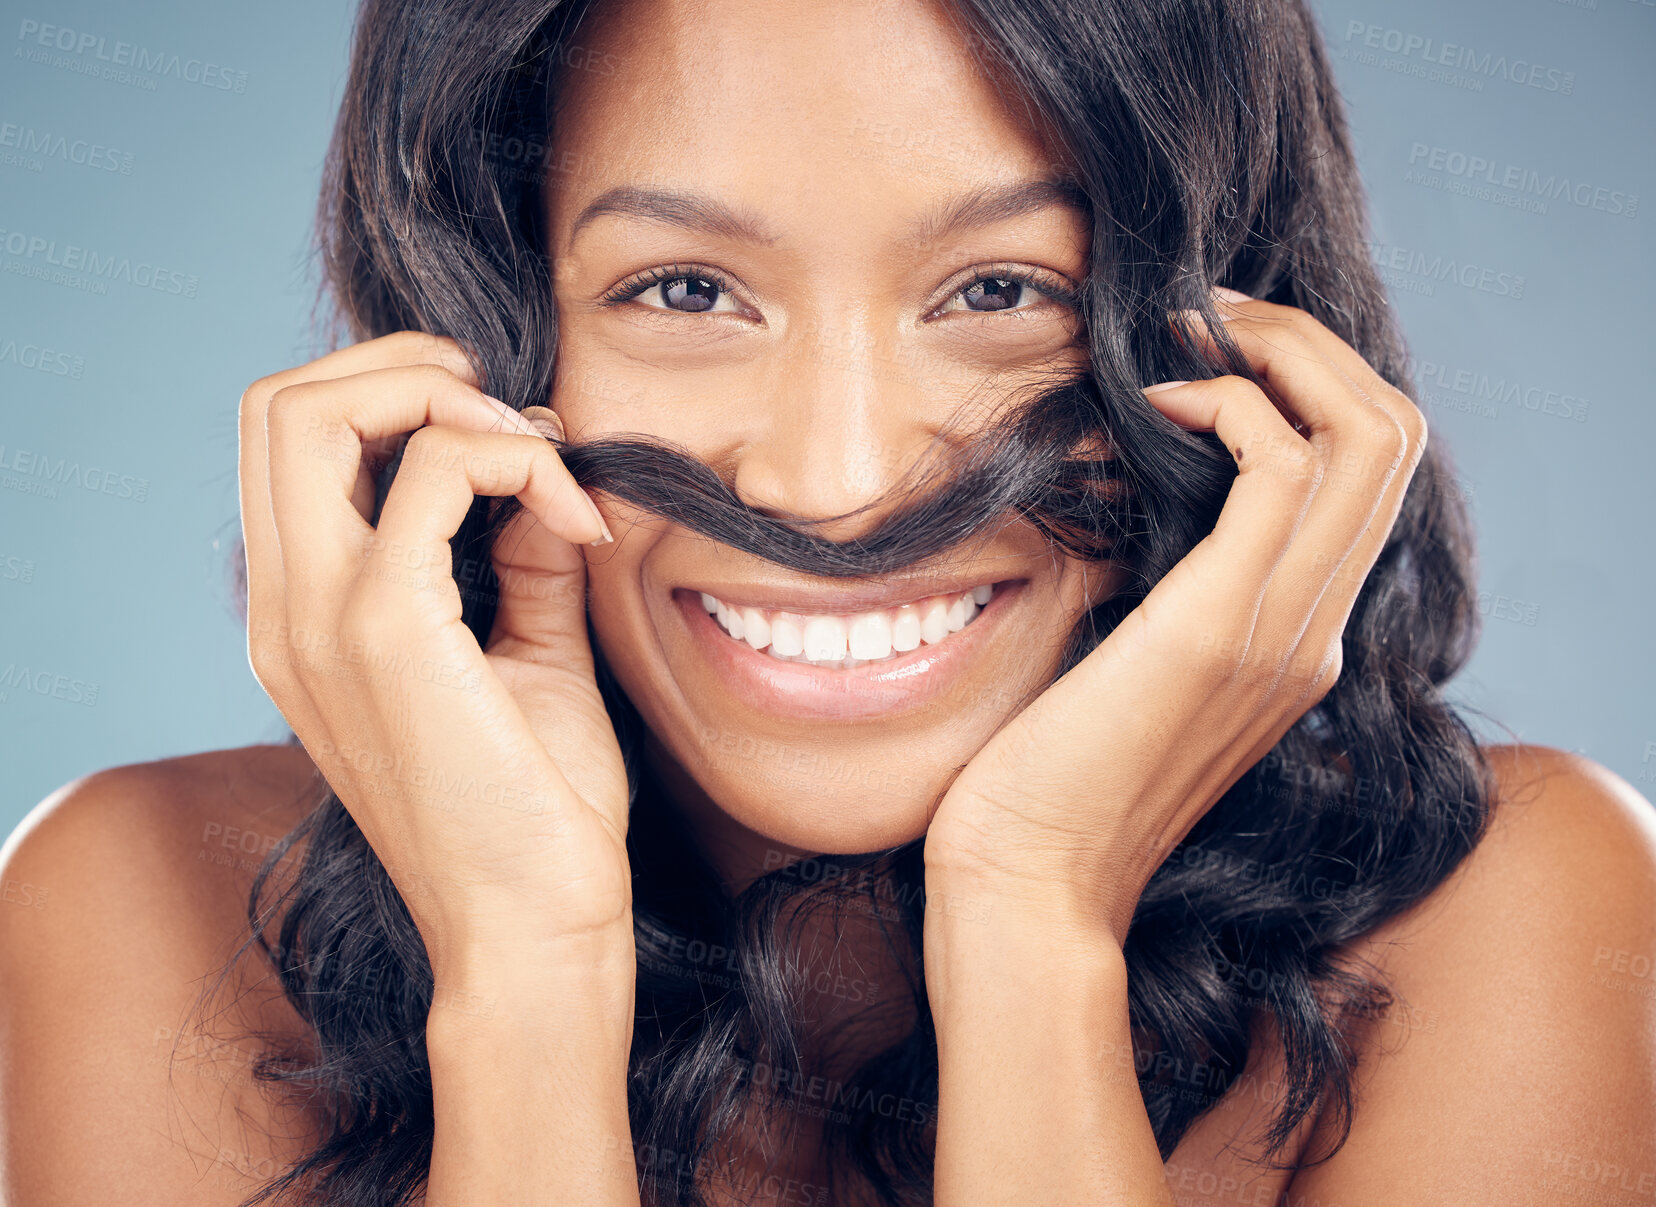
(870, 636)
(786, 637)
(845, 641)
(825, 639)
(757, 629)
(934, 622)
(905, 629)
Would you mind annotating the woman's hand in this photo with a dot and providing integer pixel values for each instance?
(490, 785)
(1076, 801)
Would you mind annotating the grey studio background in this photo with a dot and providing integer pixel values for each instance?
(1507, 147)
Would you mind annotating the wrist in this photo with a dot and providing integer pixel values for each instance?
(504, 960)
(591, 976)
(526, 1049)
(1017, 941)
(1045, 909)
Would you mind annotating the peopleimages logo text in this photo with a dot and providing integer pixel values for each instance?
(72, 257)
(129, 54)
(1432, 268)
(1461, 58)
(1549, 186)
(29, 141)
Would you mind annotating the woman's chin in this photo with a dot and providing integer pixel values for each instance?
(829, 820)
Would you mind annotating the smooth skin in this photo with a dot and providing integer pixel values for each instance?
(1518, 1069)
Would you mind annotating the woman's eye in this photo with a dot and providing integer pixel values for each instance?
(991, 295)
(688, 295)
(679, 291)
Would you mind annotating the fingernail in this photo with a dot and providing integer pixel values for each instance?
(1165, 385)
(545, 421)
(607, 537)
(1232, 295)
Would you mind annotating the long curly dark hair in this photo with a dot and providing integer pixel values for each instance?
(1208, 140)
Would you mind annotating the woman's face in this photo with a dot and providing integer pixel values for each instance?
(816, 188)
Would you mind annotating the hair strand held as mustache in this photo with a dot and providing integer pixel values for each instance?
(1026, 466)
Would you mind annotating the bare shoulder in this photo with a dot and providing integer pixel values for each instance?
(1518, 1063)
(125, 896)
(1569, 855)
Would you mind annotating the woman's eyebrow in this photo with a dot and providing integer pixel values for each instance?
(995, 203)
(696, 211)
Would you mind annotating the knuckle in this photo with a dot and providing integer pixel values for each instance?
(1413, 420)
(489, 472)
(1285, 321)
(428, 445)
(1304, 466)
(270, 654)
(1385, 432)
(1233, 388)
(1299, 465)
(411, 339)
(267, 385)
(265, 660)
(1303, 322)
(1260, 308)
(1294, 339)
(437, 378)
(256, 397)
(1313, 672)
(423, 346)
(289, 404)
(424, 437)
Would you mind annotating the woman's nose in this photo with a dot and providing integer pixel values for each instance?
(841, 420)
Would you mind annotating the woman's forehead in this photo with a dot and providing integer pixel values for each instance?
(779, 101)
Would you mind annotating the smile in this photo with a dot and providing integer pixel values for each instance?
(847, 640)
(844, 665)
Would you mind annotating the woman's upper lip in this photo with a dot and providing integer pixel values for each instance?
(861, 597)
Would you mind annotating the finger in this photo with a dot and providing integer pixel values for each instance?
(1363, 377)
(444, 468)
(407, 582)
(1360, 442)
(542, 652)
(315, 431)
(268, 648)
(1277, 476)
(1288, 364)
(1199, 618)
(1336, 352)
(541, 611)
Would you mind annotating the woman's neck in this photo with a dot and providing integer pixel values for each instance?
(739, 855)
(850, 957)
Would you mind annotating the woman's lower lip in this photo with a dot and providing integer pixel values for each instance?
(874, 689)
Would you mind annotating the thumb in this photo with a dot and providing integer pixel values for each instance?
(541, 615)
(540, 649)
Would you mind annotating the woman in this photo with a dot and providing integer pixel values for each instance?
(952, 714)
